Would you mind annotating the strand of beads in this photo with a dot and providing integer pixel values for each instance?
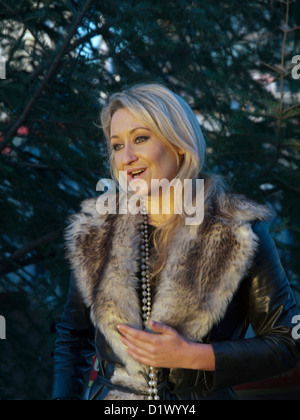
(146, 297)
(146, 289)
(153, 391)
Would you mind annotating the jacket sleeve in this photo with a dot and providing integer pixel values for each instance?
(74, 348)
(271, 307)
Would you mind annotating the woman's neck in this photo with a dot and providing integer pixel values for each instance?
(160, 209)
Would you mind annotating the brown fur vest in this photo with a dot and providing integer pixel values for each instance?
(204, 268)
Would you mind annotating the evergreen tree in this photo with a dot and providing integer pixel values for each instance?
(231, 60)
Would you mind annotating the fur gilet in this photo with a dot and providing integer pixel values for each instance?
(204, 268)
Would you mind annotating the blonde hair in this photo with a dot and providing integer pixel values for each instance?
(172, 120)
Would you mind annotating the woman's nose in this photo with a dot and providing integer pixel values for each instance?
(128, 155)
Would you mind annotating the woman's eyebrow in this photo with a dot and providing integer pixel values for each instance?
(132, 131)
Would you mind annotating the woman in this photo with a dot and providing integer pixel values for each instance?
(165, 304)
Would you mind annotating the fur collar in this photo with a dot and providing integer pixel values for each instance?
(205, 266)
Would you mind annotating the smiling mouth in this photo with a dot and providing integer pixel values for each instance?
(137, 174)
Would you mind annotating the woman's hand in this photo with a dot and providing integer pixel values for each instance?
(167, 349)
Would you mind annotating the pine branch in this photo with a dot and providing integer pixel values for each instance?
(15, 261)
(282, 75)
(17, 124)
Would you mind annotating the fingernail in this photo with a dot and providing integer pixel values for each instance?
(121, 328)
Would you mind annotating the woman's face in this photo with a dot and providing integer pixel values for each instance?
(139, 152)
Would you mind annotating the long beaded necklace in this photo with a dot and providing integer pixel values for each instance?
(146, 297)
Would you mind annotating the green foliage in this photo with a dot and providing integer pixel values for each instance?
(53, 154)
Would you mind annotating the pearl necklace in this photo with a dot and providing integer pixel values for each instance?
(146, 297)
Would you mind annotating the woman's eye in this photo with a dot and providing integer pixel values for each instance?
(117, 147)
(140, 139)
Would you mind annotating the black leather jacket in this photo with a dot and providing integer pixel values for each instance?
(264, 300)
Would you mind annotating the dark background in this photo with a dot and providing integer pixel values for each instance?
(232, 62)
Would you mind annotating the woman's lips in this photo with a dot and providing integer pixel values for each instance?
(132, 178)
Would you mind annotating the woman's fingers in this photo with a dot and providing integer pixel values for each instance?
(158, 350)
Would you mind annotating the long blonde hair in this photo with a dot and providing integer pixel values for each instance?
(172, 120)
